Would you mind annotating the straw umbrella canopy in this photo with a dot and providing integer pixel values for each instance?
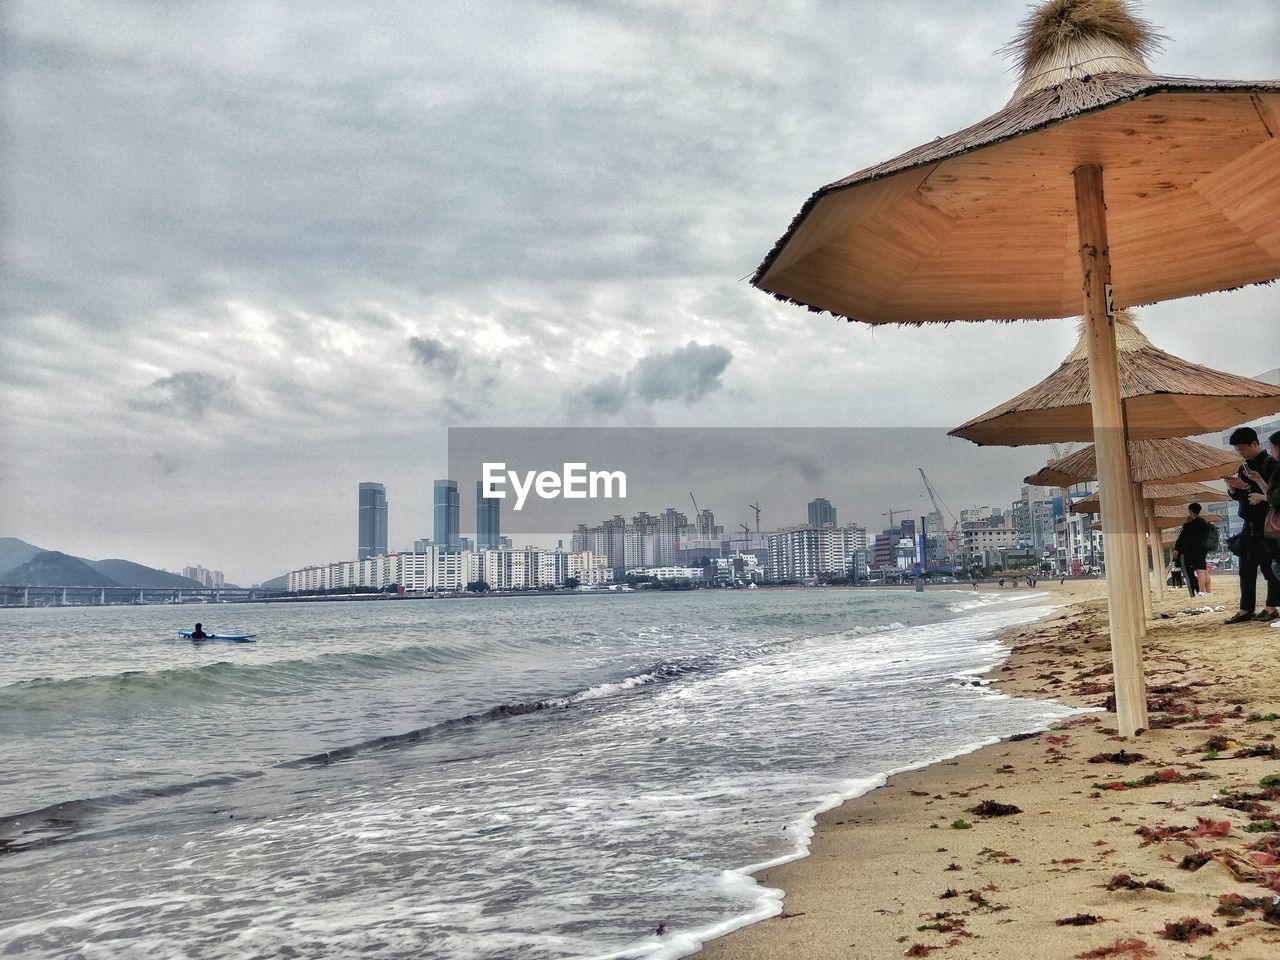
(987, 223)
(1170, 461)
(1162, 396)
(1166, 522)
(980, 224)
(1159, 510)
(1160, 494)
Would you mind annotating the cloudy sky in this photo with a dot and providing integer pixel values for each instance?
(255, 253)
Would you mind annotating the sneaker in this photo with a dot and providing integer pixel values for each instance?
(1240, 618)
(1266, 616)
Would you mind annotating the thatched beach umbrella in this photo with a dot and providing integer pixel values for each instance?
(1166, 522)
(988, 223)
(1162, 396)
(1168, 467)
(1175, 460)
(1155, 511)
(1161, 494)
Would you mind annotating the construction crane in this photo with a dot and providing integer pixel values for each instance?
(746, 530)
(1060, 450)
(893, 512)
(756, 508)
(952, 535)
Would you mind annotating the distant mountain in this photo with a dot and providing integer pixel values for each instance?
(49, 568)
(130, 574)
(15, 552)
(25, 565)
(276, 583)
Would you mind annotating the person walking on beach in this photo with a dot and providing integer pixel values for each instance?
(1260, 470)
(1191, 549)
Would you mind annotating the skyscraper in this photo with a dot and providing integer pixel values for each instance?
(446, 515)
(373, 520)
(488, 519)
(821, 512)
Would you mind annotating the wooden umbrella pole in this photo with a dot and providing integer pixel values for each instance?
(1114, 474)
(1157, 548)
(1140, 541)
(1066, 520)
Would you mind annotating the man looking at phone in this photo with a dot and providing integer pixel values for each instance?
(1258, 471)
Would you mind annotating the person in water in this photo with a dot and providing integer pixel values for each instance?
(198, 633)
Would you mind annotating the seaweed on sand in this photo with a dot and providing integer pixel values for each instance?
(1153, 779)
(1186, 930)
(1130, 947)
(993, 808)
(1122, 757)
(1122, 881)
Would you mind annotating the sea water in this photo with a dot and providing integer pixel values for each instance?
(524, 777)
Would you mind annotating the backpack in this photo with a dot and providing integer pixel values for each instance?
(1211, 540)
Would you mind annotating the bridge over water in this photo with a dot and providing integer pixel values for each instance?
(72, 596)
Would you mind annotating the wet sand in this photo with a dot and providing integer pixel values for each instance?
(1087, 867)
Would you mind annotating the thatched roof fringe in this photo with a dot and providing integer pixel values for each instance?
(791, 301)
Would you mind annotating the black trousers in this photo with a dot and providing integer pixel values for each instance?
(1256, 557)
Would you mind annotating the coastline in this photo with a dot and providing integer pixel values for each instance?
(879, 866)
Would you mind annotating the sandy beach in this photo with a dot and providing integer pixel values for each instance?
(1075, 842)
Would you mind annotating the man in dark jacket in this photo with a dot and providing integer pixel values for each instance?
(1191, 549)
(1255, 553)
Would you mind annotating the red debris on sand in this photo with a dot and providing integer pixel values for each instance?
(1133, 948)
(1160, 833)
(1186, 930)
(919, 950)
(1230, 905)
(1212, 828)
(1079, 920)
(1058, 739)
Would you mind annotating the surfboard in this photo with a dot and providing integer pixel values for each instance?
(233, 637)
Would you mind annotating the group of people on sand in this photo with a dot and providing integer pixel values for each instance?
(1255, 488)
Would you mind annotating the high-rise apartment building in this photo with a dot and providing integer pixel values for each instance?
(373, 521)
(821, 513)
(447, 514)
(488, 519)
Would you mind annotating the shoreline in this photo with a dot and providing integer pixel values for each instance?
(879, 866)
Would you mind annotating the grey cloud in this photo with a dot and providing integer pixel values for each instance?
(808, 468)
(687, 373)
(436, 355)
(188, 393)
(607, 396)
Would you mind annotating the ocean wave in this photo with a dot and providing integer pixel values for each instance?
(228, 679)
(56, 821)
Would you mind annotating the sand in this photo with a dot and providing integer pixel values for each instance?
(888, 875)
